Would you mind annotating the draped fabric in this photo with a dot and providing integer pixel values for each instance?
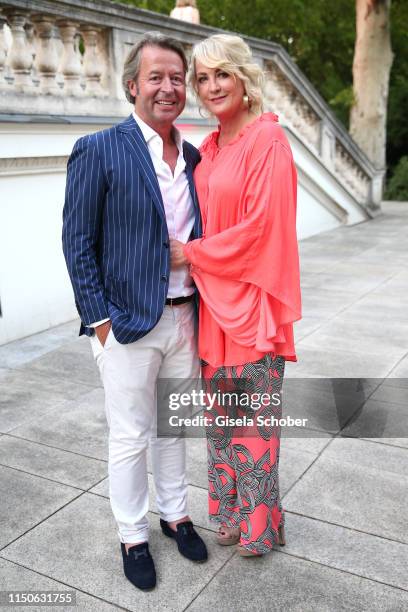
(246, 265)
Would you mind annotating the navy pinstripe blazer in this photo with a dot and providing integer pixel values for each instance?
(115, 237)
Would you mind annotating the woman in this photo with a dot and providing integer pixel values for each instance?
(246, 269)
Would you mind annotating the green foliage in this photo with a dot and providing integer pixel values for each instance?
(397, 186)
(159, 6)
(397, 124)
(342, 103)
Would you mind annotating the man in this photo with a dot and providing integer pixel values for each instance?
(129, 191)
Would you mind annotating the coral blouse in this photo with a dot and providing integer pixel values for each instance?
(246, 265)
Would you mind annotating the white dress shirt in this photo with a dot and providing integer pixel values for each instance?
(178, 205)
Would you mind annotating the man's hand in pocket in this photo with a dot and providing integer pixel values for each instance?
(102, 331)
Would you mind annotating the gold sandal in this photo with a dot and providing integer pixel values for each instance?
(227, 536)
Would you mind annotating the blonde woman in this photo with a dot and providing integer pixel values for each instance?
(247, 272)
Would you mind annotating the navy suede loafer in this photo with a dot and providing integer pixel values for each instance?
(138, 566)
(189, 543)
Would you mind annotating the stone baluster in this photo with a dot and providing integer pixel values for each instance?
(30, 37)
(375, 193)
(32, 43)
(327, 145)
(71, 66)
(20, 54)
(47, 57)
(3, 54)
(92, 61)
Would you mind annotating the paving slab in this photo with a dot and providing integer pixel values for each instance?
(356, 484)
(366, 454)
(74, 361)
(355, 284)
(380, 420)
(398, 381)
(100, 573)
(366, 270)
(22, 351)
(322, 304)
(25, 500)
(326, 404)
(401, 370)
(305, 445)
(340, 333)
(386, 253)
(306, 326)
(27, 395)
(63, 467)
(15, 577)
(292, 465)
(346, 549)
(392, 393)
(79, 426)
(398, 281)
(333, 363)
(279, 582)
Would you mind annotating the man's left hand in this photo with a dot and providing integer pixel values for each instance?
(177, 257)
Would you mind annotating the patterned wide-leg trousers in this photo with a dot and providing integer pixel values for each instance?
(243, 461)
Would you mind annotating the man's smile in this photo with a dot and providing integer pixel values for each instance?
(165, 102)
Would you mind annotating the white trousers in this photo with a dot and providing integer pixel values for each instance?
(129, 373)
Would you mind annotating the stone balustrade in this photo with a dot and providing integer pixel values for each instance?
(50, 56)
(64, 58)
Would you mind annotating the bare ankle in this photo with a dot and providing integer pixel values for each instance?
(130, 544)
(173, 524)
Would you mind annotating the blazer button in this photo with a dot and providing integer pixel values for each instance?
(164, 278)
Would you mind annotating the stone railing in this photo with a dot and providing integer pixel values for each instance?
(64, 58)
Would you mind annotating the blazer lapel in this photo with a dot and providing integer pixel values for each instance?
(136, 144)
(193, 192)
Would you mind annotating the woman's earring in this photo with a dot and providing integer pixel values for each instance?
(245, 100)
(203, 113)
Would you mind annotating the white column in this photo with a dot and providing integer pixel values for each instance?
(47, 56)
(20, 56)
(3, 54)
(71, 66)
(92, 61)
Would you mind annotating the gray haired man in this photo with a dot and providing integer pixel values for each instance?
(129, 191)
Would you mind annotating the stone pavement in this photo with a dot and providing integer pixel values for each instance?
(345, 498)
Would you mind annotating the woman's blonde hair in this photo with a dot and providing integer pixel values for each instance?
(233, 55)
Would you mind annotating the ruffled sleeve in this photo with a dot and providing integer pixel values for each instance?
(248, 274)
